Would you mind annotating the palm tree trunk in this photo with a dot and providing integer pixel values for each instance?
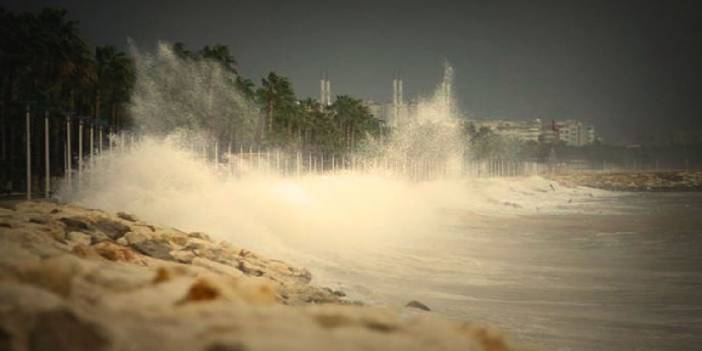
(270, 115)
(97, 104)
(114, 114)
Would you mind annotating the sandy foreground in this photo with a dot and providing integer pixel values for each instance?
(78, 279)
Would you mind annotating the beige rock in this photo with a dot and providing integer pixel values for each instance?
(217, 267)
(135, 237)
(79, 238)
(203, 296)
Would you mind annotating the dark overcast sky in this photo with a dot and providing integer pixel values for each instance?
(632, 68)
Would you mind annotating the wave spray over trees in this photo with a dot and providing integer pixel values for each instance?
(277, 184)
(179, 92)
(431, 136)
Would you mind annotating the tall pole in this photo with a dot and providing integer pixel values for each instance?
(216, 156)
(400, 93)
(29, 155)
(80, 152)
(92, 143)
(322, 94)
(100, 140)
(47, 168)
(229, 157)
(68, 151)
(277, 160)
(240, 160)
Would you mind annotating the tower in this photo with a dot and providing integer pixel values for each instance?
(397, 96)
(325, 91)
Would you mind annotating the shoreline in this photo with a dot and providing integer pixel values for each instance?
(114, 282)
(648, 181)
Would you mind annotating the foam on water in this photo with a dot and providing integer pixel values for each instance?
(161, 180)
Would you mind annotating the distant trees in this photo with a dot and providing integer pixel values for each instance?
(484, 143)
(114, 79)
(44, 61)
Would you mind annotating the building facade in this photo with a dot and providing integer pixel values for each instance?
(575, 133)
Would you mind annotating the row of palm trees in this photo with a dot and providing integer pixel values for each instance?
(45, 62)
(291, 122)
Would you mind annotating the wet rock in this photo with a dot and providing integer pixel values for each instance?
(183, 256)
(217, 267)
(115, 252)
(155, 249)
(201, 290)
(84, 251)
(126, 216)
(79, 238)
(98, 237)
(198, 244)
(113, 229)
(78, 224)
(335, 292)
(248, 269)
(233, 346)
(41, 219)
(134, 238)
(199, 235)
(418, 305)
(62, 330)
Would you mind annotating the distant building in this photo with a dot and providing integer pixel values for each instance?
(528, 130)
(325, 91)
(570, 132)
(395, 112)
(575, 133)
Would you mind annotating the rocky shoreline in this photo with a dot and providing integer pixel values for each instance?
(79, 279)
(668, 181)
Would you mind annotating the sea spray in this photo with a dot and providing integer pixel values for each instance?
(430, 135)
(320, 219)
(196, 98)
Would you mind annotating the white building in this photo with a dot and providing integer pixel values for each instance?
(528, 130)
(576, 133)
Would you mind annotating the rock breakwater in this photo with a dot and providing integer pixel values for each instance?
(79, 279)
(634, 181)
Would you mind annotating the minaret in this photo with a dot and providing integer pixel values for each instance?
(397, 96)
(400, 94)
(325, 91)
(322, 88)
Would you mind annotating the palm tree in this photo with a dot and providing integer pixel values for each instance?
(220, 53)
(182, 52)
(278, 98)
(43, 58)
(354, 118)
(246, 87)
(114, 79)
